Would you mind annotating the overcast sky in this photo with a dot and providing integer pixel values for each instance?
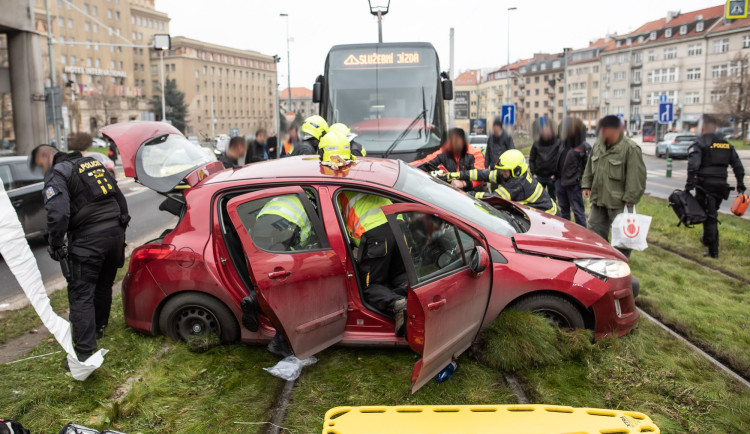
(480, 26)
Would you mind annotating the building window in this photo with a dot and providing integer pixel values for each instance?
(595, 85)
(596, 68)
(109, 13)
(95, 27)
(668, 33)
(718, 71)
(618, 93)
(620, 76)
(117, 15)
(63, 60)
(670, 53)
(683, 29)
(699, 27)
(721, 45)
(622, 58)
(154, 70)
(717, 95)
(89, 62)
(70, 23)
(746, 41)
(651, 56)
(693, 74)
(695, 49)
(692, 98)
(652, 36)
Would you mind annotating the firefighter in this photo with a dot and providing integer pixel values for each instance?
(313, 129)
(356, 147)
(708, 160)
(382, 272)
(84, 202)
(517, 183)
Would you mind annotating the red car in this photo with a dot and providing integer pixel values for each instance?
(466, 261)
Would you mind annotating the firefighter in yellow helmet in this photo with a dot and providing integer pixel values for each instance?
(381, 270)
(312, 130)
(516, 183)
(356, 147)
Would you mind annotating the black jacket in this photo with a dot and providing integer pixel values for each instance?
(708, 160)
(256, 151)
(496, 145)
(229, 162)
(307, 147)
(574, 154)
(452, 163)
(543, 158)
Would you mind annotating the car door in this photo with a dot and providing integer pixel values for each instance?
(28, 198)
(301, 287)
(446, 301)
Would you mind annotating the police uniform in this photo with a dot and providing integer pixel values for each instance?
(708, 160)
(83, 201)
(382, 269)
(523, 189)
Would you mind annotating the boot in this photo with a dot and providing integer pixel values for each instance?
(249, 306)
(714, 255)
(279, 346)
(399, 311)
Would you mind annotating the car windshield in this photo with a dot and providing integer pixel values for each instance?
(171, 155)
(417, 183)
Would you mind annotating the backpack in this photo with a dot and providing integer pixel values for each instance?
(687, 208)
(8, 426)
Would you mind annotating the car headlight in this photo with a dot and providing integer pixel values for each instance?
(611, 268)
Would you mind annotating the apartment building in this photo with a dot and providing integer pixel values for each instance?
(540, 90)
(584, 82)
(233, 87)
(302, 103)
(466, 98)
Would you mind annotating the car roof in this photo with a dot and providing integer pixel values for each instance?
(14, 159)
(373, 170)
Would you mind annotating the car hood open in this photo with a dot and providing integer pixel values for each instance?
(552, 236)
(164, 169)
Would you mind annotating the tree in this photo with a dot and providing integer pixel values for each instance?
(736, 86)
(175, 101)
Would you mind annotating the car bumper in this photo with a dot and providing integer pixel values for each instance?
(678, 152)
(141, 296)
(615, 312)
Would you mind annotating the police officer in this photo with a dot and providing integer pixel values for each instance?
(517, 183)
(83, 201)
(313, 130)
(708, 160)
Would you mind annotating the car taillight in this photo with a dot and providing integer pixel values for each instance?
(148, 253)
(675, 142)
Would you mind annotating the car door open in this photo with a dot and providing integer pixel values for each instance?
(300, 281)
(446, 300)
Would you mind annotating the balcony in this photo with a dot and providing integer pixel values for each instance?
(635, 99)
(635, 81)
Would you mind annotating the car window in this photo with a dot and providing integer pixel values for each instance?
(685, 138)
(279, 224)
(24, 176)
(436, 246)
(6, 176)
(669, 137)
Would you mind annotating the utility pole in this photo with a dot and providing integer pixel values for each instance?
(379, 8)
(451, 110)
(213, 120)
(53, 80)
(163, 96)
(288, 67)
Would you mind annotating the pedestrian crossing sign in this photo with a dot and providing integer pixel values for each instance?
(736, 9)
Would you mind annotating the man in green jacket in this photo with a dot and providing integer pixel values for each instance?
(615, 177)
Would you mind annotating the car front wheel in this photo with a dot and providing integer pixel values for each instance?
(558, 311)
(193, 315)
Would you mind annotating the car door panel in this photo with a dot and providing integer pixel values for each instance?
(303, 293)
(444, 312)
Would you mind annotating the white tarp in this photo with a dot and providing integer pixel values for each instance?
(17, 254)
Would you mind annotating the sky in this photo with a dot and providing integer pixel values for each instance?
(481, 27)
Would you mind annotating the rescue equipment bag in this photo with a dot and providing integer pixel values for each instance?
(687, 208)
(740, 204)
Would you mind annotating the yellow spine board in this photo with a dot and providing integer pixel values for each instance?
(484, 419)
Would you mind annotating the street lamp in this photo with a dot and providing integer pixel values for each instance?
(288, 66)
(379, 8)
(507, 87)
(162, 43)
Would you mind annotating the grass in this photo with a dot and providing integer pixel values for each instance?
(103, 151)
(740, 144)
(708, 307)
(646, 371)
(14, 323)
(344, 377)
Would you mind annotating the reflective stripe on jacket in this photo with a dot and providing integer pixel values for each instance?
(290, 208)
(524, 190)
(362, 212)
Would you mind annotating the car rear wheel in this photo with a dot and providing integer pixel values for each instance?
(559, 311)
(189, 316)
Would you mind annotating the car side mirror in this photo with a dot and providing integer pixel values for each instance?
(317, 91)
(479, 260)
(447, 89)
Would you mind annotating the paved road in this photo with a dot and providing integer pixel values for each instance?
(147, 220)
(659, 185)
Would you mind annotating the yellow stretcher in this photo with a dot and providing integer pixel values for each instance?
(484, 419)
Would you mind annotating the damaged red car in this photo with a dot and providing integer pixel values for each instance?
(466, 260)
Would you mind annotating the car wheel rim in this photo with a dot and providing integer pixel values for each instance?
(192, 321)
(555, 318)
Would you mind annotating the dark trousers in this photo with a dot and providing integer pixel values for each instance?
(710, 199)
(381, 269)
(600, 222)
(550, 185)
(94, 261)
(571, 197)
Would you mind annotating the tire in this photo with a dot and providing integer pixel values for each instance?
(192, 315)
(557, 310)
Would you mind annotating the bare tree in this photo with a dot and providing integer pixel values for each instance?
(736, 87)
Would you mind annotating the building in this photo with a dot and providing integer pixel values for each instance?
(541, 89)
(466, 98)
(108, 71)
(302, 103)
(233, 87)
(583, 78)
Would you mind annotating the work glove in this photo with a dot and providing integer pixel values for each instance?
(689, 187)
(740, 187)
(454, 175)
(57, 253)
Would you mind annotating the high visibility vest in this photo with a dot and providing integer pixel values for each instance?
(290, 209)
(362, 212)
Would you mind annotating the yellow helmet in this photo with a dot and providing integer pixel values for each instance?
(334, 150)
(340, 128)
(314, 126)
(514, 161)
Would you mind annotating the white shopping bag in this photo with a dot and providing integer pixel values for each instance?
(629, 230)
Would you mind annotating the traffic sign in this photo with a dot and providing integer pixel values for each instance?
(622, 118)
(731, 120)
(290, 116)
(663, 98)
(234, 132)
(736, 9)
(666, 112)
(508, 114)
